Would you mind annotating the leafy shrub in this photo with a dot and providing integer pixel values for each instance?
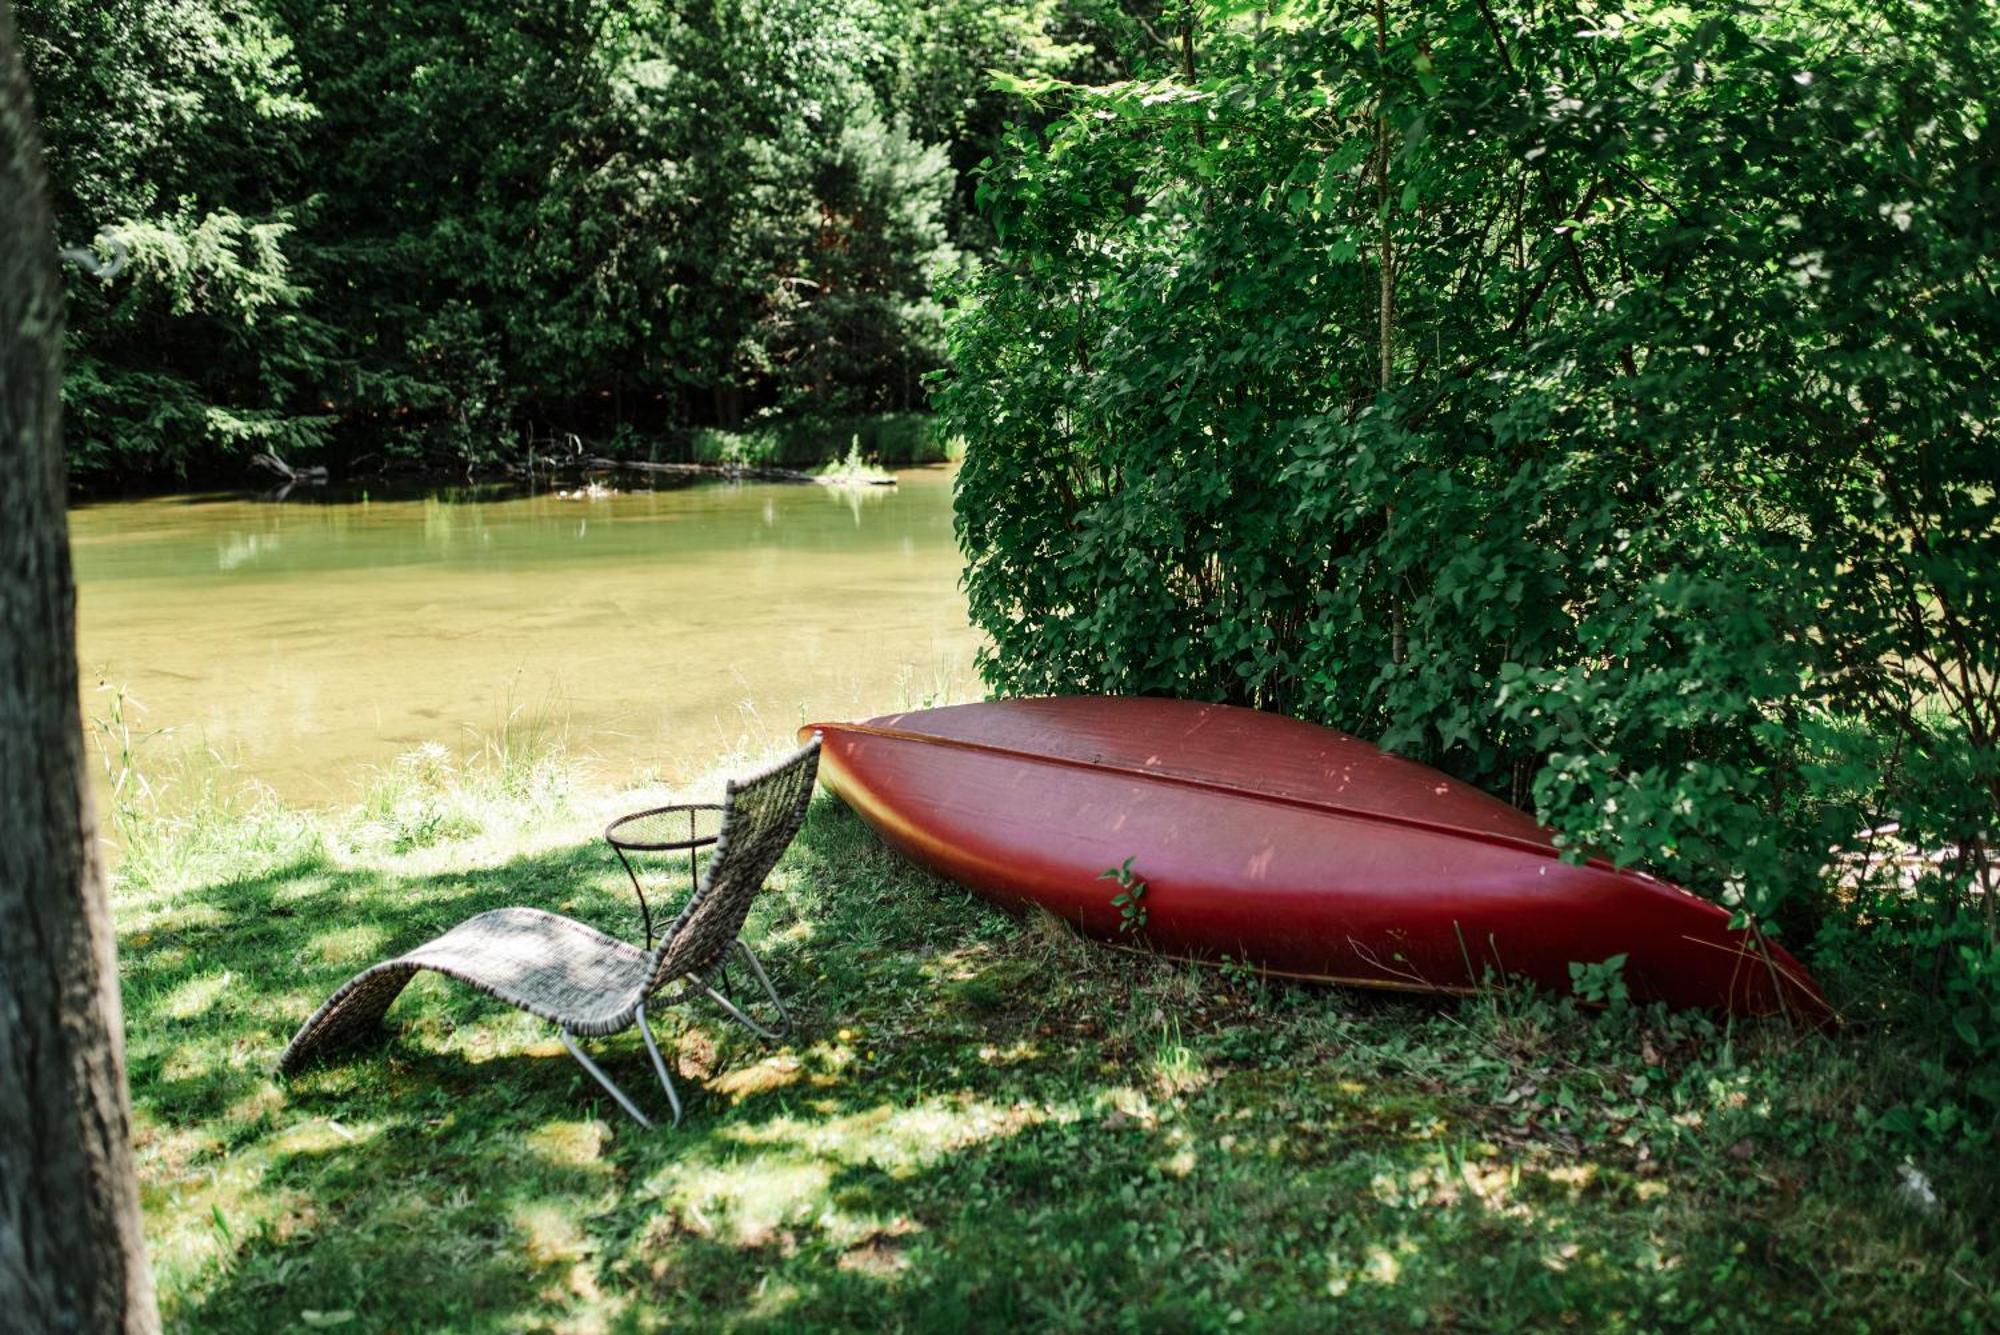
(1602, 983)
(741, 449)
(892, 439)
(902, 438)
(1650, 480)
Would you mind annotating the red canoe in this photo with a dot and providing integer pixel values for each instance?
(1292, 848)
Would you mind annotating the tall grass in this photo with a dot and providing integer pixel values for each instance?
(178, 815)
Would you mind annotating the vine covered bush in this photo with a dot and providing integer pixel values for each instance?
(1595, 401)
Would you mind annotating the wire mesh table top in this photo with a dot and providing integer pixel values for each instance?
(667, 829)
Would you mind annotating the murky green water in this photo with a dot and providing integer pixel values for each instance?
(306, 643)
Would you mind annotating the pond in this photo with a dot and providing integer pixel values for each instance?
(304, 644)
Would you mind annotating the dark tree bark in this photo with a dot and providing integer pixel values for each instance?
(71, 1257)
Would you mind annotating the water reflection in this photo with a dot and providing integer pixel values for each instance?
(308, 640)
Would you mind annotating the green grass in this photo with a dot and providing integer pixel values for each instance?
(978, 1121)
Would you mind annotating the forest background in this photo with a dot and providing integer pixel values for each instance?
(421, 233)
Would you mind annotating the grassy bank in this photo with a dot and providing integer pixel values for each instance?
(977, 1120)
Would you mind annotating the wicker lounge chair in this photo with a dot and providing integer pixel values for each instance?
(586, 983)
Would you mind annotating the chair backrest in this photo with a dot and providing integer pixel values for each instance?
(760, 816)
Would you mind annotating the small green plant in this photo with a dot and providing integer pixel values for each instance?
(409, 807)
(1239, 974)
(854, 469)
(1131, 896)
(118, 748)
(1602, 983)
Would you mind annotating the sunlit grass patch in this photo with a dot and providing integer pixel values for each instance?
(570, 1144)
(354, 944)
(764, 1077)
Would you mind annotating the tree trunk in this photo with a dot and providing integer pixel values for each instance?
(71, 1257)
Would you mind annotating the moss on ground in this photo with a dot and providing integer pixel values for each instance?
(977, 1120)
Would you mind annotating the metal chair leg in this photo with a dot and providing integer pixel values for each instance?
(764, 981)
(606, 1080)
(659, 1065)
(737, 1015)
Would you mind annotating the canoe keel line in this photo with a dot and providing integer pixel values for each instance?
(1289, 848)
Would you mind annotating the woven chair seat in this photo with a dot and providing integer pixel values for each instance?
(548, 965)
(552, 966)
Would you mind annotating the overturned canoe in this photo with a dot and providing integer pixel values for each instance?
(1294, 849)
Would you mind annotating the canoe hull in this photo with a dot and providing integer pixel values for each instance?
(1292, 849)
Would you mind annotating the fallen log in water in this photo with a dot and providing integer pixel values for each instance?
(312, 475)
(272, 463)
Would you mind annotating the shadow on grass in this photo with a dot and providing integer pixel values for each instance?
(975, 1121)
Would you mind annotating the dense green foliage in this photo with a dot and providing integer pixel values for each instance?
(169, 129)
(1654, 482)
(422, 229)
